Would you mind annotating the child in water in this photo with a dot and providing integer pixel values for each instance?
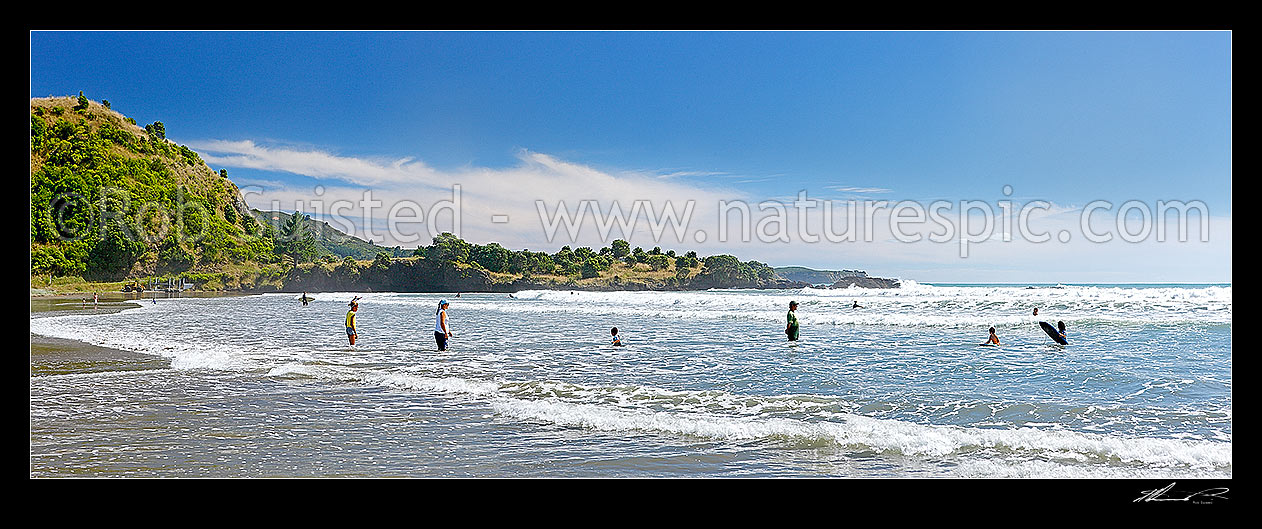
(617, 342)
(993, 339)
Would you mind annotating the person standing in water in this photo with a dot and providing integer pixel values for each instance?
(442, 331)
(792, 328)
(351, 330)
(617, 342)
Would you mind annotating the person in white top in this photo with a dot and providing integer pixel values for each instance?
(442, 331)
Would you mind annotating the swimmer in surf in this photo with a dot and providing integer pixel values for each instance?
(617, 342)
(993, 339)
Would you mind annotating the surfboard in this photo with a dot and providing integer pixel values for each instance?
(1051, 331)
(308, 298)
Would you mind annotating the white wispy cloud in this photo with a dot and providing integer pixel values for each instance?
(860, 190)
(312, 163)
(486, 194)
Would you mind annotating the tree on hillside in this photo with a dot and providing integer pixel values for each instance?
(295, 240)
(113, 255)
(156, 130)
(685, 261)
(589, 269)
(725, 268)
(620, 248)
(491, 256)
(172, 257)
(448, 247)
(761, 271)
(658, 261)
(382, 262)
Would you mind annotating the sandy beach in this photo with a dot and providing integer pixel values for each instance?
(58, 356)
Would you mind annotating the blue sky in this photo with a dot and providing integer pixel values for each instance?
(1061, 117)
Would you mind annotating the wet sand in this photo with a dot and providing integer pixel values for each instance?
(59, 356)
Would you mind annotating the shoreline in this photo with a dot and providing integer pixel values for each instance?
(49, 356)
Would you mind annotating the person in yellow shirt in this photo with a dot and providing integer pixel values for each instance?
(351, 331)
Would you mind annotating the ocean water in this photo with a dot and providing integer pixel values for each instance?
(707, 386)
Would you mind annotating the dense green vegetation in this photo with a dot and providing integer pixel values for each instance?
(111, 200)
(581, 263)
(450, 263)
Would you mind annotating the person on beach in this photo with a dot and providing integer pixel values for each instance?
(351, 330)
(617, 342)
(792, 328)
(441, 330)
(993, 339)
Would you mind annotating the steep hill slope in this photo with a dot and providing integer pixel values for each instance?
(112, 200)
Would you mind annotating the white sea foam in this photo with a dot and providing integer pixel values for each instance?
(912, 305)
(866, 434)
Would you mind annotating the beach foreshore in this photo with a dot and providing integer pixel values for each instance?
(61, 356)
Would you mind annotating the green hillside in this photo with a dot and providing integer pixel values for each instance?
(111, 200)
(329, 240)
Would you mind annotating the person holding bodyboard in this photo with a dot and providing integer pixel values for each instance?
(1056, 333)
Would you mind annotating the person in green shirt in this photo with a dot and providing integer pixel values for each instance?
(792, 328)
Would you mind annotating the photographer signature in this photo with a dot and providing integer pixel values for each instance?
(1204, 496)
